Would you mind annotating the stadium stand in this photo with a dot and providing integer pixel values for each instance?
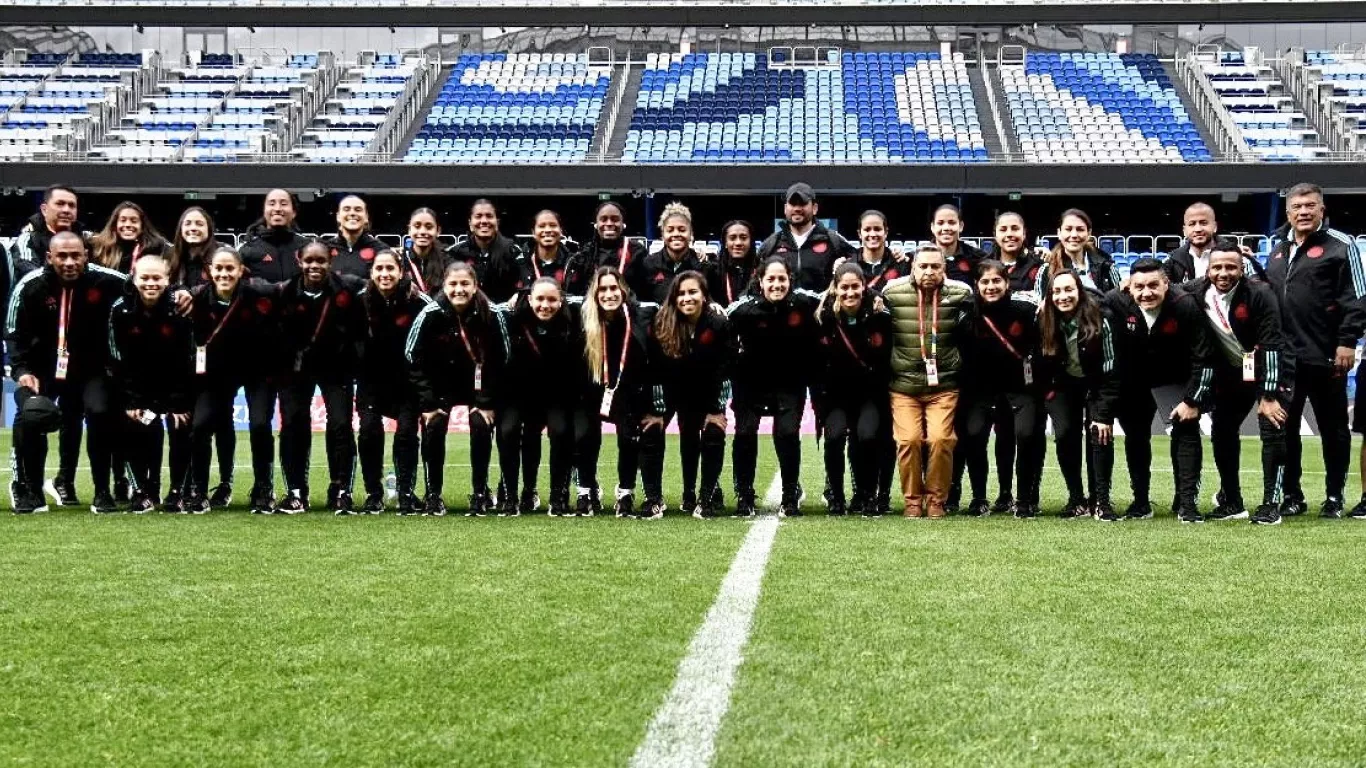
(59, 104)
(514, 108)
(1266, 115)
(861, 107)
(1098, 107)
(361, 114)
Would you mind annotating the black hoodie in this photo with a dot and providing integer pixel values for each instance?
(543, 360)
(441, 367)
(151, 354)
(856, 351)
(326, 346)
(1176, 350)
(387, 323)
(778, 344)
(249, 345)
(353, 258)
(272, 253)
(992, 366)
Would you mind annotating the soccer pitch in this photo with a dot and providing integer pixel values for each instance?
(236, 639)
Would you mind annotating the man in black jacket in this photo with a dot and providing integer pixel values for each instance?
(1318, 277)
(57, 213)
(1168, 372)
(810, 249)
(1190, 261)
(1249, 371)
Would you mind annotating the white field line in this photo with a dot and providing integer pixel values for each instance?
(683, 731)
(774, 495)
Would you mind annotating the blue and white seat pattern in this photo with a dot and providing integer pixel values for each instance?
(350, 120)
(43, 97)
(1266, 116)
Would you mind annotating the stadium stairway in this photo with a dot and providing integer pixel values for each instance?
(423, 111)
(991, 78)
(616, 142)
(977, 77)
(1179, 84)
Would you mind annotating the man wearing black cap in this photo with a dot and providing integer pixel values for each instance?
(809, 248)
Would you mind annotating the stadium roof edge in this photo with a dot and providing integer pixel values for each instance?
(688, 14)
(400, 178)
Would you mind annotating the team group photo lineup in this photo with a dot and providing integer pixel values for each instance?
(912, 358)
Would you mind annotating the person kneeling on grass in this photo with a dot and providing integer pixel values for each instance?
(151, 355)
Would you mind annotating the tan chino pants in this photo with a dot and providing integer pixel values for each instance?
(918, 420)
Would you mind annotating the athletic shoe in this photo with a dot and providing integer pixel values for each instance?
(1105, 512)
(704, 512)
(221, 496)
(25, 501)
(197, 506)
(1026, 511)
(332, 490)
(433, 506)
(744, 506)
(1331, 509)
(626, 505)
(262, 502)
(408, 504)
(104, 504)
(594, 504)
(507, 507)
(1189, 516)
(1003, 504)
(343, 504)
(884, 506)
(952, 506)
(559, 505)
(530, 502)
(1293, 507)
(63, 492)
(479, 505)
(1228, 512)
(374, 503)
(1359, 511)
(1267, 514)
(836, 507)
(1076, 508)
(653, 509)
(978, 508)
(141, 504)
(689, 505)
(122, 491)
(173, 504)
(291, 504)
(1139, 510)
(857, 504)
(789, 508)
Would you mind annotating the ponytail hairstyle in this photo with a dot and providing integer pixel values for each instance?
(425, 211)
(886, 250)
(398, 262)
(673, 331)
(1051, 336)
(593, 330)
(184, 255)
(753, 246)
(480, 307)
(221, 249)
(996, 241)
(1057, 258)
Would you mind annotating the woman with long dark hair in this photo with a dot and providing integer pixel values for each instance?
(732, 271)
(615, 332)
(455, 352)
(128, 235)
(192, 249)
(1076, 253)
(1010, 239)
(879, 263)
(424, 262)
(1080, 371)
(691, 351)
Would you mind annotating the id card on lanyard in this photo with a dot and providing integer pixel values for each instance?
(609, 389)
(201, 352)
(317, 331)
(474, 358)
(930, 356)
(1249, 358)
(63, 317)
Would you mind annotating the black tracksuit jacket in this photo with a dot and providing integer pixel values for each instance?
(382, 370)
(632, 395)
(272, 253)
(1180, 266)
(543, 362)
(1177, 350)
(1321, 286)
(879, 273)
(249, 346)
(989, 366)
(428, 272)
(961, 265)
(778, 345)
(441, 369)
(855, 353)
(1255, 317)
(335, 352)
(1101, 366)
(1023, 274)
(32, 320)
(729, 279)
(813, 264)
(353, 258)
(151, 355)
(491, 264)
(699, 380)
(650, 280)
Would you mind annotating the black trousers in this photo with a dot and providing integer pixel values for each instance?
(1023, 414)
(588, 447)
(854, 423)
(296, 426)
(1067, 407)
(481, 452)
(213, 417)
(519, 445)
(144, 446)
(1326, 391)
(1137, 407)
(83, 399)
(786, 409)
(698, 442)
(373, 405)
(1236, 399)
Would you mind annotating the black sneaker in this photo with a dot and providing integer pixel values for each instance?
(653, 509)
(104, 504)
(343, 504)
(1139, 510)
(789, 508)
(507, 507)
(559, 505)
(857, 504)
(1267, 514)
(408, 503)
(884, 506)
(704, 512)
(979, 508)
(262, 502)
(744, 506)
(221, 496)
(141, 504)
(122, 491)
(197, 506)
(1189, 516)
(594, 506)
(952, 506)
(479, 504)
(836, 507)
(689, 504)
(63, 492)
(374, 503)
(624, 504)
(1003, 504)
(433, 506)
(25, 500)
(1227, 511)
(1359, 511)
(1076, 508)
(291, 504)
(1331, 509)
(530, 502)
(1105, 512)
(173, 504)
(1293, 507)
(1026, 511)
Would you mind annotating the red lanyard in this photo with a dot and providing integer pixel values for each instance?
(137, 253)
(1009, 347)
(63, 315)
(322, 317)
(469, 348)
(417, 274)
(934, 328)
(534, 347)
(849, 345)
(623, 255)
(625, 350)
(224, 321)
(1219, 311)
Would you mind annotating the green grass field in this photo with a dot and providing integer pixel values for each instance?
(234, 639)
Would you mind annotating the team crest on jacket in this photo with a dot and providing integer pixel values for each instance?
(890, 275)
(1169, 325)
(1131, 323)
(1240, 311)
(559, 276)
(343, 299)
(964, 266)
(875, 339)
(167, 331)
(367, 254)
(818, 247)
(402, 321)
(706, 336)
(1016, 329)
(1314, 252)
(267, 258)
(660, 277)
(263, 306)
(794, 319)
(92, 295)
(333, 251)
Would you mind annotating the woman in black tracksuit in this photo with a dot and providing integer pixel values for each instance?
(391, 304)
(237, 340)
(353, 247)
(879, 263)
(152, 362)
(1075, 252)
(691, 353)
(656, 272)
(615, 387)
(999, 385)
(455, 351)
(856, 347)
(610, 245)
(732, 271)
(777, 337)
(551, 257)
(322, 324)
(538, 391)
(1079, 369)
(424, 261)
